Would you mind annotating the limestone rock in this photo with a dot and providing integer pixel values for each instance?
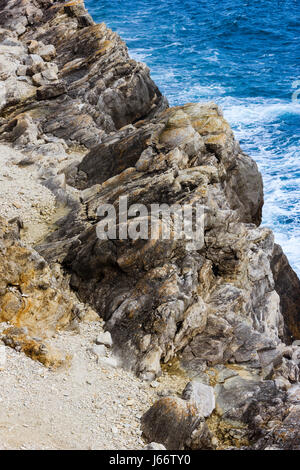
(294, 393)
(284, 433)
(103, 88)
(47, 52)
(2, 357)
(154, 446)
(216, 303)
(43, 78)
(170, 421)
(99, 350)
(109, 361)
(202, 396)
(202, 438)
(287, 286)
(221, 307)
(33, 59)
(104, 338)
(31, 295)
(244, 407)
(36, 349)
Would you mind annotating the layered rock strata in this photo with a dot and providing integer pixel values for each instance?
(34, 298)
(65, 77)
(223, 308)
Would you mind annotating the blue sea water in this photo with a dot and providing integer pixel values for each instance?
(243, 54)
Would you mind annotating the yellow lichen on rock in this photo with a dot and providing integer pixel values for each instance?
(33, 298)
(31, 294)
(36, 349)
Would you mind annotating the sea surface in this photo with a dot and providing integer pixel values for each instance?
(242, 54)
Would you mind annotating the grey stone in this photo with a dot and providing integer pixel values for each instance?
(109, 361)
(170, 421)
(49, 74)
(33, 59)
(105, 338)
(287, 286)
(201, 395)
(99, 350)
(226, 373)
(47, 52)
(154, 446)
(2, 357)
(230, 301)
(272, 356)
(22, 70)
(282, 383)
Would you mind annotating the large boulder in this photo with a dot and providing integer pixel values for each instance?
(170, 421)
(202, 396)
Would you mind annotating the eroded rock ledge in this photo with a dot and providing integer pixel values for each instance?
(223, 311)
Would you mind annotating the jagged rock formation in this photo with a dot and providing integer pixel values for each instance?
(218, 304)
(67, 77)
(171, 421)
(32, 295)
(250, 414)
(55, 97)
(287, 286)
(219, 307)
(34, 298)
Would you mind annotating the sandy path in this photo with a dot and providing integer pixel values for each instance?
(88, 406)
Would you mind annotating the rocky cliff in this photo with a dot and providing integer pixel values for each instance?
(223, 311)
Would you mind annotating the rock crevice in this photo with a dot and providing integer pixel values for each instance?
(224, 308)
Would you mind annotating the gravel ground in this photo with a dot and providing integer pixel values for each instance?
(87, 406)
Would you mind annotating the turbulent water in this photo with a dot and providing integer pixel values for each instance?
(245, 56)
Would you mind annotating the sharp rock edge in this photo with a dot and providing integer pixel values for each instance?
(227, 313)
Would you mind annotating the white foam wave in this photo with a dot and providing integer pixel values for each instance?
(249, 111)
(257, 124)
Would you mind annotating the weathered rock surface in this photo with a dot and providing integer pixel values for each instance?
(287, 286)
(202, 396)
(105, 339)
(31, 294)
(159, 297)
(223, 307)
(250, 413)
(220, 300)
